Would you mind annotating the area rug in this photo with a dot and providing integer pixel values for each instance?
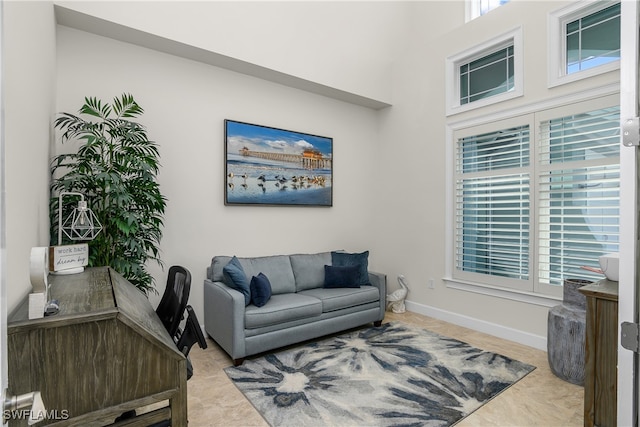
(393, 375)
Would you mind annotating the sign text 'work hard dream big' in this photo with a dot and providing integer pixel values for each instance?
(68, 256)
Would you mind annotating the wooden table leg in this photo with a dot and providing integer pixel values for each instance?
(178, 402)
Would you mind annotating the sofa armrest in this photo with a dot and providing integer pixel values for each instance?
(224, 317)
(379, 280)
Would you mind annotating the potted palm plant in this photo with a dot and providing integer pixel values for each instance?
(114, 167)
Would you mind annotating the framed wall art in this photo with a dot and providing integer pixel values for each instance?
(276, 167)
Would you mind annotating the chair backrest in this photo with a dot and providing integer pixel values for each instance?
(175, 298)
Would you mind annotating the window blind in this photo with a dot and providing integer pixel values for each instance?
(492, 203)
(578, 193)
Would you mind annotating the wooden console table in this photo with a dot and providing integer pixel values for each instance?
(106, 352)
(601, 354)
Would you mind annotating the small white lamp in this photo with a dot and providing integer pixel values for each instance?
(81, 224)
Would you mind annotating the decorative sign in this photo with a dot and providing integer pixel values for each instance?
(68, 257)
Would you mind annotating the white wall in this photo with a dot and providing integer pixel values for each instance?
(347, 45)
(29, 73)
(413, 236)
(343, 45)
(185, 105)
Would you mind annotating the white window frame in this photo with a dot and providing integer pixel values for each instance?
(532, 292)
(557, 42)
(452, 72)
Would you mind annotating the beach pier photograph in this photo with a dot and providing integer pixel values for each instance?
(274, 167)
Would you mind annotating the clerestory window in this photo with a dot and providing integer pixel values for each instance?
(584, 40)
(593, 40)
(476, 8)
(485, 74)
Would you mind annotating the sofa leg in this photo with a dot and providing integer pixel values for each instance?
(377, 323)
(238, 362)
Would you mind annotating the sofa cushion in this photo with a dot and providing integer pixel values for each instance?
(308, 269)
(345, 259)
(340, 298)
(235, 277)
(217, 264)
(341, 277)
(277, 268)
(260, 290)
(282, 308)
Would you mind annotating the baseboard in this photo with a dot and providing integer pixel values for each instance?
(535, 341)
(525, 338)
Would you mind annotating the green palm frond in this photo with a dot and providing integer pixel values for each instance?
(126, 107)
(115, 167)
(93, 107)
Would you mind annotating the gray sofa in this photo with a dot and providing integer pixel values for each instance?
(300, 307)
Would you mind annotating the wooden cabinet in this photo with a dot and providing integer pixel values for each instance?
(601, 354)
(104, 353)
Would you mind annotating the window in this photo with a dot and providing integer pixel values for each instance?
(579, 196)
(584, 41)
(493, 201)
(485, 74)
(476, 8)
(593, 40)
(529, 214)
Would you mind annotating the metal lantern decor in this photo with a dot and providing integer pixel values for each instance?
(81, 224)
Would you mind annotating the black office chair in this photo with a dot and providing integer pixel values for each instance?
(171, 312)
(191, 334)
(175, 298)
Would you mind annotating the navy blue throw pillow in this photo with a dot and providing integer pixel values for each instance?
(361, 260)
(235, 278)
(260, 290)
(340, 277)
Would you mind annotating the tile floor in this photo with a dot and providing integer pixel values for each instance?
(540, 399)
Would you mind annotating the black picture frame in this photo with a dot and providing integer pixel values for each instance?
(269, 166)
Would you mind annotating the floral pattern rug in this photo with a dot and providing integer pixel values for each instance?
(386, 376)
